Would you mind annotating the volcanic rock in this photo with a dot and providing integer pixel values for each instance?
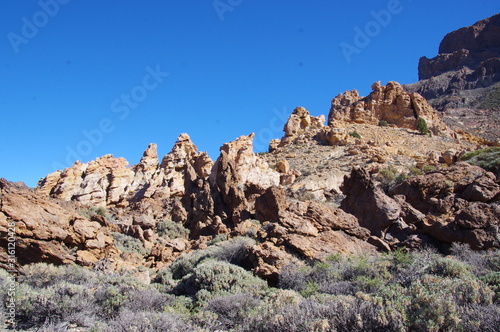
(388, 103)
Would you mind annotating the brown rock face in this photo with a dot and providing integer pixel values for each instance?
(460, 203)
(268, 260)
(238, 177)
(364, 199)
(300, 123)
(465, 47)
(463, 76)
(311, 229)
(48, 230)
(388, 103)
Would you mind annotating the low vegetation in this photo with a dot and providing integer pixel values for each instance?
(171, 229)
(127, 243)
(422, 126)
(488, 158)
(491, 100)
(213, 290)
(390, 176)
(355, 134)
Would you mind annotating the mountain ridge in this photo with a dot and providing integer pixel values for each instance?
(301, 200)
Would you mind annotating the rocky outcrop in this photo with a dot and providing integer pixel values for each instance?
(310, 229)
(460, 204)
(368, 202)
(109, 181)
(462, 81)
(300, 123)
(187, 200)
(238, 177)
(457, 204)
(472, 47)
(390, 103)
(49, 230)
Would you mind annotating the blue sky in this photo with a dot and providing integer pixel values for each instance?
(81, 79)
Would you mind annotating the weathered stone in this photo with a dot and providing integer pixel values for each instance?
(374, 209)
(271, 205)
(268, 260)
(389, 103)
(283, 166)
(458, 203)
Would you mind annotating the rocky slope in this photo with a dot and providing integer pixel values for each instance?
(463, 79)
(365, 181)
(321, 190)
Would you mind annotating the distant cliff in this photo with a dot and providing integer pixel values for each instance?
(463, 80)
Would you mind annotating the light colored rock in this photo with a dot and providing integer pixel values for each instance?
(283, 166)
(110, 181)
(274, 144)
(249, 168)
(389, 103)
(450, 156)
(46, 184)
(49, 230)
(333, 136)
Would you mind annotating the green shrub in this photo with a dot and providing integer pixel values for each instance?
(428, 168)
(422, 126)
(59, 302)
(233, 251)
(480, 318)
(396, 291)
(389, 177)
(401, 258)
(436, 302)
(491, 100)
(488, 158)
(171, 229)
(450, 267)
(492, 279)
(355, 134)
(215, 278)
(341, 275)
(127, 243)
(383, 123)
(128, 320)
(42, 275)
(232, 310)
(91, 211)
(218, 239)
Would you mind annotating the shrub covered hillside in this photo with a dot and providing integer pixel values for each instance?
(210, 290)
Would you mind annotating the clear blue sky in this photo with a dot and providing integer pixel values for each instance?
(80, 79)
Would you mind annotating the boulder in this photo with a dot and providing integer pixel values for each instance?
(375, 210)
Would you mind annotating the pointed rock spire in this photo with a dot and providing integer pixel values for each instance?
(183, 150)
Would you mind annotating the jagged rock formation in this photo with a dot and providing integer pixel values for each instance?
(476, 48)
(315, 194)
(462, 81)
(457, 204)
(299, 123)
(109, 181)
(388, 103)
